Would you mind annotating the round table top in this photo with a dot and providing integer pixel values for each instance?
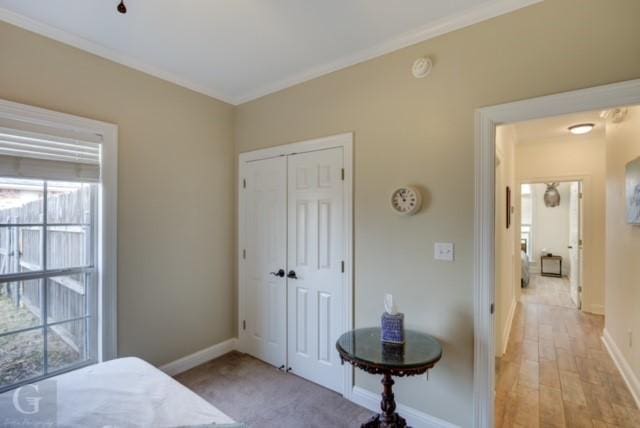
(363, 347)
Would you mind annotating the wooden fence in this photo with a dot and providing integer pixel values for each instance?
(68, 246)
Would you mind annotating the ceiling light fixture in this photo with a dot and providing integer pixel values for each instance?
(581, 128)
(122, 8)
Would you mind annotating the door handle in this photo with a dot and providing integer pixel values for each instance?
(280, 273)
(570, 247)
(292, 274)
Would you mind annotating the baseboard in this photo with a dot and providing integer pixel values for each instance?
(415, 418)
(200, 357)
(625, 370)
(507, 328)
(594, 309)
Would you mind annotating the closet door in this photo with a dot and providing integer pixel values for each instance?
(264, 332)
(315, 255)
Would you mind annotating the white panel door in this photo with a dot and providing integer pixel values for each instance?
(315, 255)
(575, 243)
(264, 297)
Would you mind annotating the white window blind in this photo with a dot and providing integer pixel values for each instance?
(41, 151)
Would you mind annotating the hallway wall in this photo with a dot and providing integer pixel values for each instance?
(507, 289)
(622, 245)
(569, 158)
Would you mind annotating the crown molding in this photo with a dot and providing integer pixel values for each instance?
(437, 28)
(434, 29)
(105, 52)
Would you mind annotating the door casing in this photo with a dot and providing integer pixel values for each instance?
(345, 141)
(486, 120)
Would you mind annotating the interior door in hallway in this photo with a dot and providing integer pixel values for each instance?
(264, 218)
(575, 243)
(315, 262)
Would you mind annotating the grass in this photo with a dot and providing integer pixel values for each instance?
(22, 354)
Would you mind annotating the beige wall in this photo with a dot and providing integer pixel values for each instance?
(623, 242)
(507, 288)
(421, 132)
(571, 158)
(175, 191)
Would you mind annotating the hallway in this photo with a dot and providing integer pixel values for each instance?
(556, 372)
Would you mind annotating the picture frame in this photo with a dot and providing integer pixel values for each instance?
(632, 180)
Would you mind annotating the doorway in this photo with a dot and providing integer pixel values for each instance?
(295, 287)
(551, 242)
(487, 119)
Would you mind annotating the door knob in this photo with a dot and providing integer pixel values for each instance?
(292, 274)
(280, 273)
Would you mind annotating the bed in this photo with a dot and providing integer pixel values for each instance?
(128, 392)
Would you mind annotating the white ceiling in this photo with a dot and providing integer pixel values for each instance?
(238, 50)
(558, 126)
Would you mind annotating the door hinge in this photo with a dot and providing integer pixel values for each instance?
(493, 308)
(579, 289)
(342, 266)
(244, 324)
(244, 254)
(580, 241)
(342, 174)
(244, 183)
(580, 195)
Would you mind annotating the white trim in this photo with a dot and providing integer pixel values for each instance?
(107, 234)
(97, 49)
(486, 120)
(632, 381)
(507, 328)
(415, 418)
(434, 29)
(345, 141)
(199, 357)
(439, 27)
(594, 309)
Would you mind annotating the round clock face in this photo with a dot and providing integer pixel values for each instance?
(406, 200)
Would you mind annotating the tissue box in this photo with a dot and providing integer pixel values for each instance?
(392, 328)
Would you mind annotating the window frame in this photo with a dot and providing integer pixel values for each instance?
(105, 227)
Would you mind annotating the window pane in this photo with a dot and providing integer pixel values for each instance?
(68, 246)
(20, 305)
(66, 297)
(21, 356)
(69, 202)
(66, 344)
(21, 201)
(20, 249)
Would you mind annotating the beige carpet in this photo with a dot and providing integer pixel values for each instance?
(261, 396)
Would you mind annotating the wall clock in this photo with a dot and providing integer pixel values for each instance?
(406, 200)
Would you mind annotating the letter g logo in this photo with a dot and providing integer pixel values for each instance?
(33, 402)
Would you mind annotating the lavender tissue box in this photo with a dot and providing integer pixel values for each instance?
(393, 328)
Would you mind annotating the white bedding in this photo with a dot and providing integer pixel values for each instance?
(128, 392)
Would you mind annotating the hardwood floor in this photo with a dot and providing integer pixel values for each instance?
(556, 371)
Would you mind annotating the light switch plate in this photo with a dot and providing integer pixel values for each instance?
(444, 251)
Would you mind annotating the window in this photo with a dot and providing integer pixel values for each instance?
(47, 277)
(57, 243)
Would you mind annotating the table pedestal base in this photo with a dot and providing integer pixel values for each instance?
(375, 422)
(388, 418)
